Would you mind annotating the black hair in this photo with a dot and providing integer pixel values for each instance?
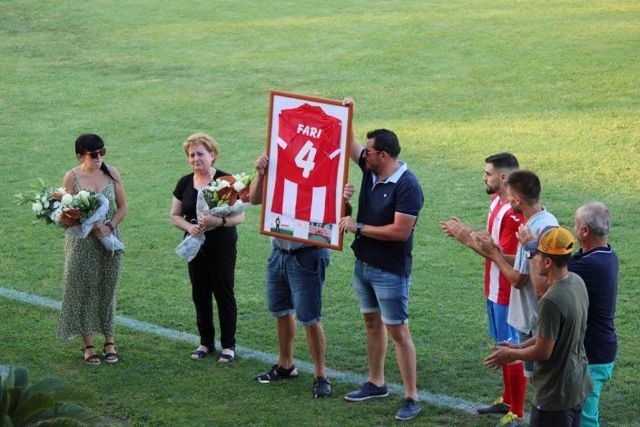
(385, 140)
(526, 184)
(503, 161)
(92, 142)
(558, 260)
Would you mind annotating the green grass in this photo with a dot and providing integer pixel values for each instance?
(557, 83)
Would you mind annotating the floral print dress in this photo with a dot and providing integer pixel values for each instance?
(91, 275)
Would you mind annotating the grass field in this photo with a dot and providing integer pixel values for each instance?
(557, 83)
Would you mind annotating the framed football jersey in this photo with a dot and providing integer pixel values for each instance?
(307, 145)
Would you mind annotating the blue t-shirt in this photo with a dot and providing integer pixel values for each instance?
(377, 205)
(599, 270)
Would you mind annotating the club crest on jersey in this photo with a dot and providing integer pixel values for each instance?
(308, 130)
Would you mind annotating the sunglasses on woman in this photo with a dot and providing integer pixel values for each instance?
(94, 154)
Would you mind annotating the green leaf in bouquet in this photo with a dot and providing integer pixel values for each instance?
(248, 179)
(20, 199)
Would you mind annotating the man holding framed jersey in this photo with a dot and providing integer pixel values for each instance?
(388, 207)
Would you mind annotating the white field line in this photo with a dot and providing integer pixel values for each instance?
(436, 399)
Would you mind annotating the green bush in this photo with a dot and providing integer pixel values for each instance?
(46, 403)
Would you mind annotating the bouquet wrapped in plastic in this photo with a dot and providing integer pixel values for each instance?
(224, 197)
(76, 213)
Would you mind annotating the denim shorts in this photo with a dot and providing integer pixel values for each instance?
(294, 284)
(382, 291)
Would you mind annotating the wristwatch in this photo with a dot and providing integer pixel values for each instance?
(359, 226)
(108, 224)
(224, 221)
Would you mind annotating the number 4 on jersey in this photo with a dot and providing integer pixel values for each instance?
(304, 159)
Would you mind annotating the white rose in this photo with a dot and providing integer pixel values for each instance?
(43, 199)
(37, 207)
(67, 199)
(222, 184)
(55, 215)
(238, 186)
(45, 204)
(56, 204)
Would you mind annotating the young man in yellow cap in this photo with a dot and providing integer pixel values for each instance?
(557, 349)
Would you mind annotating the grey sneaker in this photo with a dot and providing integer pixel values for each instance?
(321, 387)
(409, 409)
(367, 391)
(497, 407)
(277, 373)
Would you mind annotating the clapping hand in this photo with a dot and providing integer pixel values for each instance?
(485, 244)
(499, 357)
(524, 234)
(456, 229)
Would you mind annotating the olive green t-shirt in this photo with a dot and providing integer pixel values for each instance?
(563, 381)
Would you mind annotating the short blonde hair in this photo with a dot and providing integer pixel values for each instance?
(200, 138)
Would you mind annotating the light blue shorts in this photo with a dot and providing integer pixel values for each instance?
(382, 291)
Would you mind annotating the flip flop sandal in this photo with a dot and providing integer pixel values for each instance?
(93, 360)
(198, 354)
(226, 358)
(110, 357)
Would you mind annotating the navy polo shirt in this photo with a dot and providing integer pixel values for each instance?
(377, 205)
(599, 270)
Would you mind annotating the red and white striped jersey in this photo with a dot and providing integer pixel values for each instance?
(307, 170)
(502, 224)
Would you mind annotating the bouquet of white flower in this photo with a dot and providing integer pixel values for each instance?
(76, 213)
(224, 197)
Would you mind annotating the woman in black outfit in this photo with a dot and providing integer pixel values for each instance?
(212, 270)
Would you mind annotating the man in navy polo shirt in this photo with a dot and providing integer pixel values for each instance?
(390, 200)
(597, 264)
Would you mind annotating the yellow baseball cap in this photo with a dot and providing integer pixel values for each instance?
(552, 241)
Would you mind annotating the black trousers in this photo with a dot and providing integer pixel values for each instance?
(567, 418)
(213, 272)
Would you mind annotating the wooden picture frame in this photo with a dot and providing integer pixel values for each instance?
(308, 150)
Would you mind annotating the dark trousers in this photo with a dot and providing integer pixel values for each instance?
(567, 418)
(213, 272)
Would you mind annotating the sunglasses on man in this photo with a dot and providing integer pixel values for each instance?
(367, 152)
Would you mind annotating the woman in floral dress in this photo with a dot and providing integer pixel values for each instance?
(91, 271)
